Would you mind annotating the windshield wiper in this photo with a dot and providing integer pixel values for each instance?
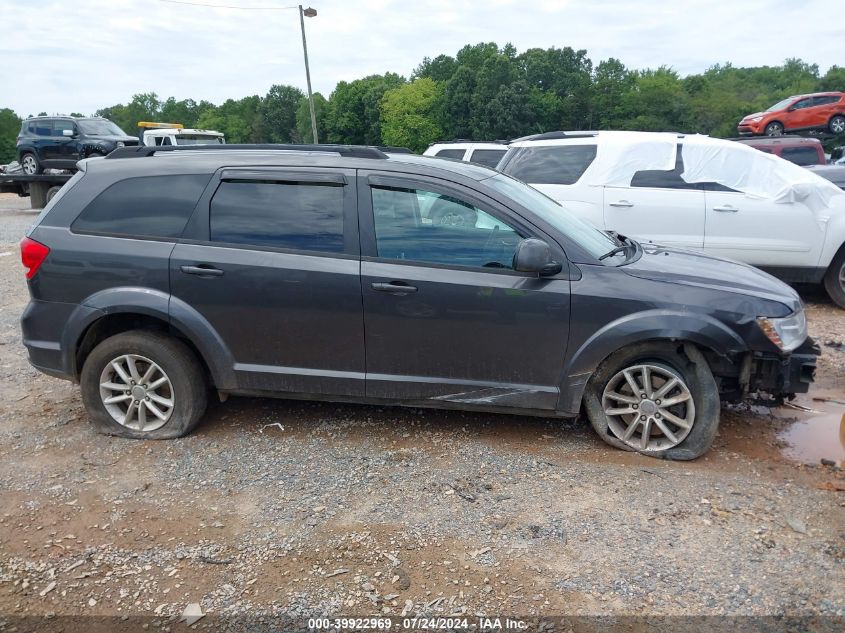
(615, 251)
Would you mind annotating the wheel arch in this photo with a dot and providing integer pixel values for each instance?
(710, 336)
(123, 309)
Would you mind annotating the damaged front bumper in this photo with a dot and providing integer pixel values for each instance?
(781, 376)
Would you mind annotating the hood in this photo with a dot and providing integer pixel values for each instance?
(679, 266)
(756, 114)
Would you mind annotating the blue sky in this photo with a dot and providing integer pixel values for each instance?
(61, 56)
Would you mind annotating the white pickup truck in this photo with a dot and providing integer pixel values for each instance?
(155, 134)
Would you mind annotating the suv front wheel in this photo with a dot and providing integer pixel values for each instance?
(658, 399)
(143, 385)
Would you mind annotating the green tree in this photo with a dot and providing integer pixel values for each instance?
(278, 112)
(10, 125)
(408, 114)
(353, 115)
(304, 134)
(611, 80)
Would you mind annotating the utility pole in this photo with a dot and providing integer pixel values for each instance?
(309, 12)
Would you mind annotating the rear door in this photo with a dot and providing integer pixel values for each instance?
(271, 261)
(447, 319)
(657, 207)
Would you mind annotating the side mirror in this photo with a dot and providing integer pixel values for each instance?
(535, 256)
(68, 133)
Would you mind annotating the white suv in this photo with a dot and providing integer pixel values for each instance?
(487, 154)
(692, 191)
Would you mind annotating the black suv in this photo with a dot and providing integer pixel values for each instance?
(310, 272)
(58, 142)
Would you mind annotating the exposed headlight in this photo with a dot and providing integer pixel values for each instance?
(757, 119)
(121, 144)
(787, 333)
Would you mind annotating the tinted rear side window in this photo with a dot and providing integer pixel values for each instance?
(297, 215)
(150, 206)
(801, 155)
(488, 157)
(551, 165)
(451, 153)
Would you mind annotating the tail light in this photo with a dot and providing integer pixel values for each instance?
(32, 255)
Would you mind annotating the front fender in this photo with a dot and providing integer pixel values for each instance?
(160, 305)
(651, 325)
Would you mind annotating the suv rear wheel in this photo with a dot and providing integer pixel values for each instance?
(143, 385)
(30, 164)
(656, 400)
(837, 124)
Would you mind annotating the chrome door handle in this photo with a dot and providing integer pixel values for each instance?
(203, 270)
(621, 203)
(726, 209)
(394, 287)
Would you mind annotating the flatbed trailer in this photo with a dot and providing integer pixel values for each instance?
(40, 188)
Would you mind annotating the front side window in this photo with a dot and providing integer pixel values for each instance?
(152, 206)
(303, 216)
(551, 164)
(60, 125)
(424, 226)
(802, 103)
(659, 179)
(487, 157)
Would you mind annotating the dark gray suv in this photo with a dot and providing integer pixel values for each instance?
(313, 272)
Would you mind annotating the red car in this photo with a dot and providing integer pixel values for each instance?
(822, 111)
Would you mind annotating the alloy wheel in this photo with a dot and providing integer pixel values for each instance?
(137, 393)
(648, 407)
(837, 125)
(29, 165)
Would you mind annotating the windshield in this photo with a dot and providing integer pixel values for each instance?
(100, 127)
(780, 105)
(196, 139)
(591, 239)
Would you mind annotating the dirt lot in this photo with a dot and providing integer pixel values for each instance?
(341, 510)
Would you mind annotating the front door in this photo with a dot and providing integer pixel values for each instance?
(760, 231)
(447, 319)
(273, 267)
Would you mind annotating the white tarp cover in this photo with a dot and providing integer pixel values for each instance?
(621, 154)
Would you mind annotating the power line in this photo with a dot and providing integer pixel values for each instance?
(226, 6)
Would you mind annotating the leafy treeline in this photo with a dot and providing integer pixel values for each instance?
(488, 92)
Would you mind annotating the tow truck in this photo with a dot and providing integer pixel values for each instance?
(152, 133)
(42, 187)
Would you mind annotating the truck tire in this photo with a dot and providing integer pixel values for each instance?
(673, 413)
(38, 194)
(143, 385)
(51, 193)
(834, 279)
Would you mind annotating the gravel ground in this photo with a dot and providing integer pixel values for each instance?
(341, 510)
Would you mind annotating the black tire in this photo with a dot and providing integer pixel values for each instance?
(95, 154)
(837, 125)
(189, 390)
(51, 193)
(465, 218)
(682, 360)
(775, 128)
(834, 279)
(30, 158)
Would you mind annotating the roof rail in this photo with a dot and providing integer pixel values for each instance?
(549, 136)
(348, 151)
(393, 150)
